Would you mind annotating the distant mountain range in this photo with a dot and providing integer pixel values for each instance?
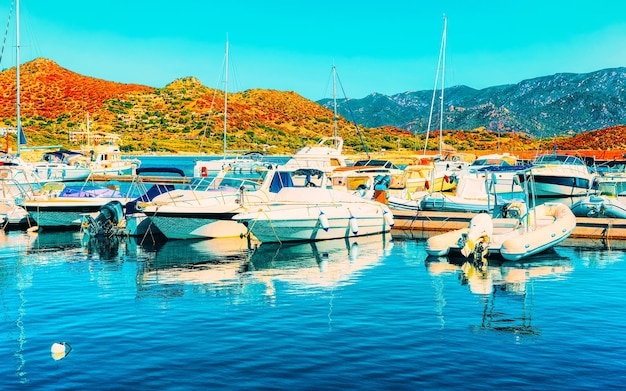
(564, 103)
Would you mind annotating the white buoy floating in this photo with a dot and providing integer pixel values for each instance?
(354, 226)
(388, 218)
(60, 350)
(324, 221)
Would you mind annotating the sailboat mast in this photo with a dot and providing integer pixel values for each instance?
(88, 131)
(443, 76)
(225, 98)
(17, 78)
(440, 68)
(335, 101)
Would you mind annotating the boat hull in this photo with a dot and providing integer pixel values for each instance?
(599, 206)
(555, 186)
(306, 224)
(184, 215)
(66, 213)
(210, 226)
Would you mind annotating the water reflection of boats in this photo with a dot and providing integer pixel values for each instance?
(229, 265)
(325, 263)
(204, 261)
(512, 282)
(35, 243)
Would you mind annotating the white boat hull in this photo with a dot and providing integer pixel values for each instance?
(66, 212)
(563, 176)
(61, 173)
(550, 189)
(288, 223)
(268, 231)
(184, 227)
(513, 239)
(185, 215)
(451, 203)
(599, 206)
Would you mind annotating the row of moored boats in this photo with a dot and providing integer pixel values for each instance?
(318, 195)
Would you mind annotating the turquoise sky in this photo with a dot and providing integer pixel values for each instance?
(377, 46)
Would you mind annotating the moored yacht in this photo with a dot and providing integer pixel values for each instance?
(207, 210)
(558, 176)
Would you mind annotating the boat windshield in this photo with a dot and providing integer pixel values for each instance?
(376, 163)
(490, 162)
(559, 159)
(233, 179)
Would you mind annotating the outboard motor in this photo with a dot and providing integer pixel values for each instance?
(105, 223)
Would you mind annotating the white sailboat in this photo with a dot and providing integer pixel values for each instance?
(16, 176)
(327, 154)
(204, 168)
(54, 168)
(443, 166)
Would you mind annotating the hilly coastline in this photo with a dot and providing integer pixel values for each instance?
(187, 117)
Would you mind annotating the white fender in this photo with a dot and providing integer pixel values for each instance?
(323, 219)
(388, 218)
(354, 226)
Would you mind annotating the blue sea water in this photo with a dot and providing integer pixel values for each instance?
(365, 313)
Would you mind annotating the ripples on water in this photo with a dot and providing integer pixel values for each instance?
(366, 313)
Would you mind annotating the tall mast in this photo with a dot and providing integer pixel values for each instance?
(17, 78)
(443, 75)
(225, 96)
(440, 69)
(335, 101)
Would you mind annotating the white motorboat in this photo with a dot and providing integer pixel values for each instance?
(107, 159)
(206, 211)
(513, 231)
(479, 191)
(59, 206)
(512, 238)
(62, 165)
(563, 176)
(310, 214)
(599, 206)
(326, 155)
